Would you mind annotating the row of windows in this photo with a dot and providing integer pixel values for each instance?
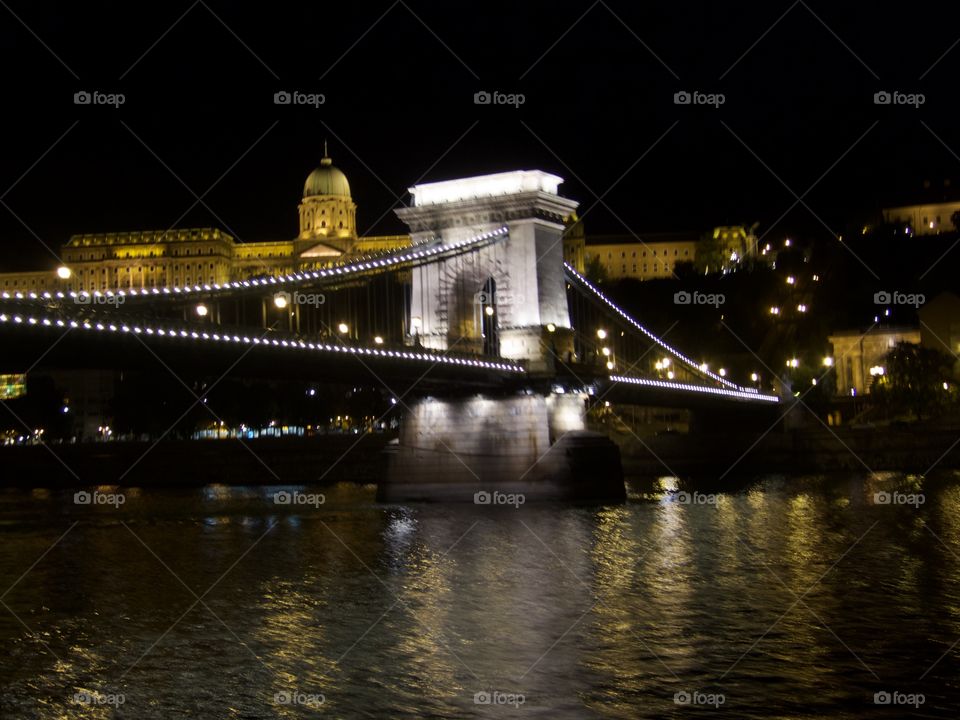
(665, 253)
(656, 268)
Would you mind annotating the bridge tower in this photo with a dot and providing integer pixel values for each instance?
(508, 298)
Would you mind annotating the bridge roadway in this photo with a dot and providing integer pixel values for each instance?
(48, 337)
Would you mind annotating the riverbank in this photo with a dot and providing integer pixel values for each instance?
(265, 461)
(909, 449)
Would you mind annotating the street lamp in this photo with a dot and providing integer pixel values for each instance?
(64, 273)
(202, 310)
(280, 300)
(828, 361)
(378, 340)
(602, 334)
(343, 328)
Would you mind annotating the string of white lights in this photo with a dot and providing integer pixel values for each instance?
(676, 353)
(139, 328)
(745, 394)
(362, 265)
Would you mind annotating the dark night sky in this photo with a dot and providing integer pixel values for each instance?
(398, 101)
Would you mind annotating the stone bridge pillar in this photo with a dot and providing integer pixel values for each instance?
(508, 298)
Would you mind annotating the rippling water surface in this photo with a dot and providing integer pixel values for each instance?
(798, 597)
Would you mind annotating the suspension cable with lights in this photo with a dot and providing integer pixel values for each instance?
(574, 275)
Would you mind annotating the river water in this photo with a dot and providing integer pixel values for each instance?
(800, 597)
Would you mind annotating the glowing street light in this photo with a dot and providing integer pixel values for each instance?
(793, 363)
(801, 308)
(606, 352)
(202, 310)
(610, 365)
(754, 377)
(378, 340)
(791, 280)
(602, 334)
(280, 300)
(877, 370)
(774, 310)
(828, 361)
(488, 310)
(343, 328)
(722, 372)
(669, 374)
(64, 273)
(551, 327)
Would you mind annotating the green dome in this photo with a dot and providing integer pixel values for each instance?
(326, 180)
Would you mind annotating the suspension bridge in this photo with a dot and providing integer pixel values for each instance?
(495, 346)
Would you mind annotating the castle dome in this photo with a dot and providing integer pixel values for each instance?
(326, 180)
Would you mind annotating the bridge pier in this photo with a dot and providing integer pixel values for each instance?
(469, 449)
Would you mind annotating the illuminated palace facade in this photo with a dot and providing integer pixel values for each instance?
(178, 257)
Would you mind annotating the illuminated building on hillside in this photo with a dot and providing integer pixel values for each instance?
(179, 257)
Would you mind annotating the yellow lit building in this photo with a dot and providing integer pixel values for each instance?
(197, 256)
(924, 219)
(646, 257)
(859, 357)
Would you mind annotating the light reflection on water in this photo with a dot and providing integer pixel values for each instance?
(793, 598)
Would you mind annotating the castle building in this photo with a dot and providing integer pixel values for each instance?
(197, 256)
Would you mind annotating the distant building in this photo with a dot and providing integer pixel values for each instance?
(179, 257)
(940, 326)
(642, 257)
(859, 357)
(923, 219)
